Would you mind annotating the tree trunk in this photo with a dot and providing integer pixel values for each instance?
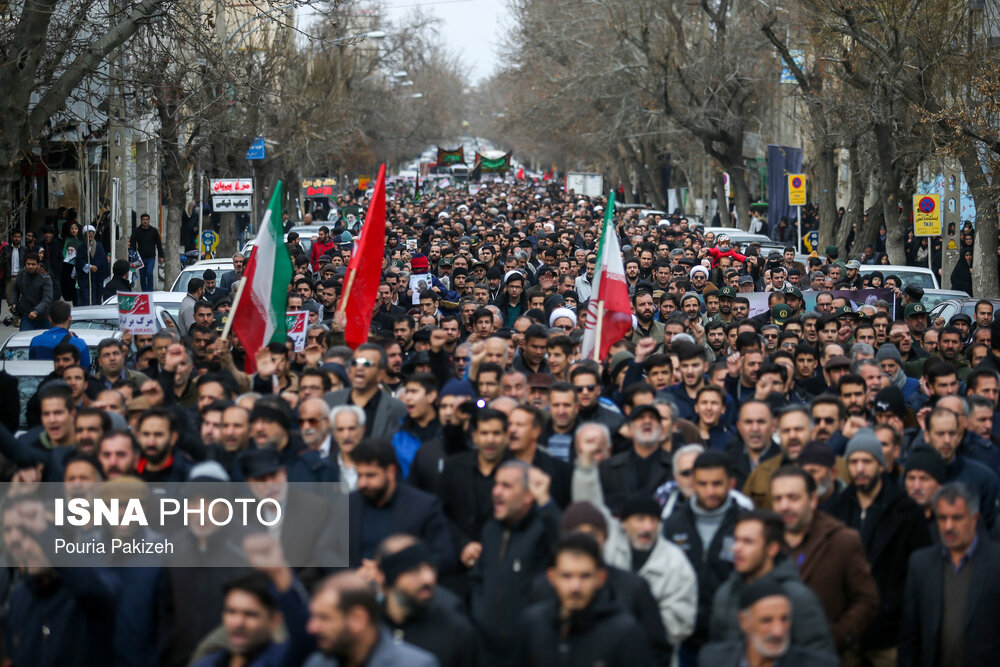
(8, 177)
(741, 194)
(722, 201)
(825, 193)
(984, 254)
(227, 232)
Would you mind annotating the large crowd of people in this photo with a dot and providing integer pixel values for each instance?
(732, 485)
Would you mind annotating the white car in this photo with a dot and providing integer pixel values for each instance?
(197, 270)
(29, 375)
(737, 236)
(17, 347)
(920, 276)
(105, 318)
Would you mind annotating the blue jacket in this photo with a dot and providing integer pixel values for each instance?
(43, 344)
(685, 407)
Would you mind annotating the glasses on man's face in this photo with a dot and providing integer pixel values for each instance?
(770, 336)
(685, 473)
(825, 420)
(314, 339)
(565, 327)
(309, 421)
(362, 363)
(586, 387)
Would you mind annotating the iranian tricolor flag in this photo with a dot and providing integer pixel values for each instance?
(609, 312)
(258, 316)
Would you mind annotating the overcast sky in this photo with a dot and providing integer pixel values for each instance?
(471, 29)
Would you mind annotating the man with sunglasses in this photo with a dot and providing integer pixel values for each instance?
(383, 413)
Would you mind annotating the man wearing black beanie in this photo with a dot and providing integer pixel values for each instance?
(416, 609)
(925, 473)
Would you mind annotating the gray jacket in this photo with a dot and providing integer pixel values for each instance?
(32, 292)
(387, 653)
(387, 418)
(810, 629)
(185, 314)
(668, 572)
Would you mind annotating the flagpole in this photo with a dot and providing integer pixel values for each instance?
(597, 337)
(347, 290)
(232, 312)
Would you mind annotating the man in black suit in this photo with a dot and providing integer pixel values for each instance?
(383, 506)
(467, 483)
(949, 604)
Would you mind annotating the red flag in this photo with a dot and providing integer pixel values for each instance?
(520, 174)
(364, 271)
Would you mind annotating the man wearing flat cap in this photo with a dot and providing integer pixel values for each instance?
(765, 619)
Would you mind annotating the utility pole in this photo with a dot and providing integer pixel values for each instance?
(118, 148)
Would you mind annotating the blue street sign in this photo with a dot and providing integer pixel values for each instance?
(256, 150)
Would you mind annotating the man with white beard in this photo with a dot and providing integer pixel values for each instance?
(766, 621)
(314, 424)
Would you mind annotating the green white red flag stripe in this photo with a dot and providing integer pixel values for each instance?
(609, 312)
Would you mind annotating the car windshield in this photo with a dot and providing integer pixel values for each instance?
(15, 353)
(101, 324)
(27, 385)
(185, 277)
(918, 278)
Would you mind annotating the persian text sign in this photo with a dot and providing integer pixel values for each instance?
(135, 312)
(232, 204)
(231, 186)
(296, 322)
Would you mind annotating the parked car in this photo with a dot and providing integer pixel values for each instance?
(29, 375)
(307, 233)
(197, 270)
(16, 348)
(105, 318)
(951, 307)
(920, 276)
(932, 297)
(739, 237)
